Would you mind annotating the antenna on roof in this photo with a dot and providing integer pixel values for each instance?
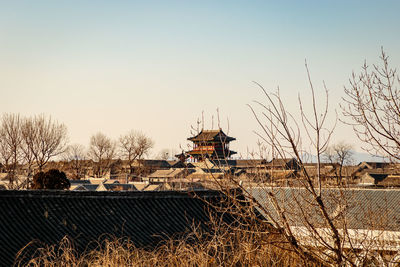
(202, 120)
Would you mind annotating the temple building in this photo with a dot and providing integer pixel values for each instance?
(211, 144)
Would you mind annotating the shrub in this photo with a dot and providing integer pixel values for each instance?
(52, 179)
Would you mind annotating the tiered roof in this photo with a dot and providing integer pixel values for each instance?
(211, 143)
(211, 136)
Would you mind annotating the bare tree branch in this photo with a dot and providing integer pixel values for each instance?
(101, 150)
(372, 107)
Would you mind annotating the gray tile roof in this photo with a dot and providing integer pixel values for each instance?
(74, 182)
(91, 187)
(144, 217)
(377, 209)
(170, 173)
(153, 163)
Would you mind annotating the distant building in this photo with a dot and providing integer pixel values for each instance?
(116, 187)
(379, 179)
(211, 144)
(166, 175)
(372, 178)
(283, 164)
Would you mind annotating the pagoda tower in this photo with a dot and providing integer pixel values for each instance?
(211, 144)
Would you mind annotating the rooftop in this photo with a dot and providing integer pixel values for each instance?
(212, 135)
(377, 209)
(144, 217)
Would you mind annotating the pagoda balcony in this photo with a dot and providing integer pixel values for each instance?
(204, 148)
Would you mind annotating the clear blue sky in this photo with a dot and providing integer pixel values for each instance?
(154, 66)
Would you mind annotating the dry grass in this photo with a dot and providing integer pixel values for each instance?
(223, 248)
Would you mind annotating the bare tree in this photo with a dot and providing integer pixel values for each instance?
(164, 154)
(134, 145)
(339, 154)
(101, 150)
(5, 153)
(306, 222)
(11, 140)
(287, 141)
(75, 155)
(28, 137)
(44, 138)
(314, 221)
(372, 105)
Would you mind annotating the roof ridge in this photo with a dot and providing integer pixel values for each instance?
(106, 194)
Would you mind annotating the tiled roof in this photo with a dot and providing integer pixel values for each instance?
(204, 176)
(85, 216)
(170, 173)
(282, 162)
(96, 181)
(153, 163)
(91, 187)
(77, 187)
(116, 187)
(377, 209)
(374, 165)
(78, 182)
(111, 181)
(180, 164)
(390, 181)
(377, 176)
(153, 187)
(173, 162)
(205, 164)
(139, 185)
(211, 135)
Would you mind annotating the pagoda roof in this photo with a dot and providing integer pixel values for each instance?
(211, 135)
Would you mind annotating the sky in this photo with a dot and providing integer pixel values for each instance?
(157, 66)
